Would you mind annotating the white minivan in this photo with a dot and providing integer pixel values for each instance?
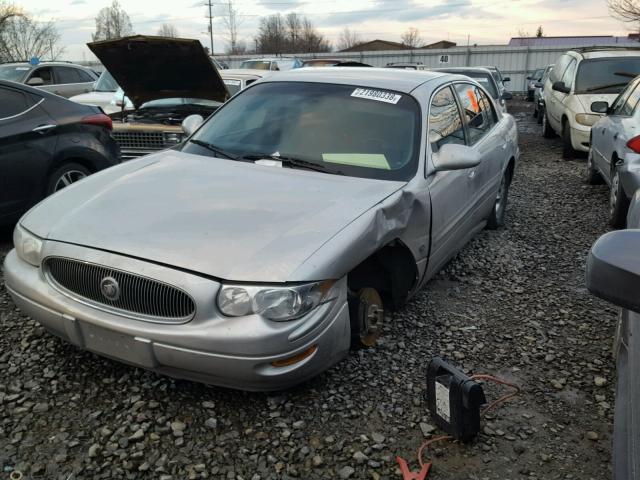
(581, 77)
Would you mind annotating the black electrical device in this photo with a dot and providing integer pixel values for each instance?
(454, 400)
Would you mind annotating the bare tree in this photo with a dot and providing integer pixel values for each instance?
(291, 34)
(348, 39)
(112, 22)
(22, 38)
(293, 23)
(523, 33)
(625, 10)
(312, 40)
(168, 30)
(411, 38)
(8, 11)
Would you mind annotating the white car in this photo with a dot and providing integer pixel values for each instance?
(240, 78)
(277, 63)
(103, 95)
(580, 78)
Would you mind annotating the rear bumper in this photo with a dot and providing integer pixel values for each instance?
(235, 353)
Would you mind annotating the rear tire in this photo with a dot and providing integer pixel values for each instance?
(367, 317)
(498, 212)
(568, 153)
(618, 203)
(66, 175)
(547, 131)
(592, 177)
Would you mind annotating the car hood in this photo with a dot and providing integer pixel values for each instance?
(586, 99)
(230, 220)
(150, 68)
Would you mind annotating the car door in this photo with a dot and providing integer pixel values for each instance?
(46, 75)
(26, 147)
(483, 135)
(71, 81)
(450, 204)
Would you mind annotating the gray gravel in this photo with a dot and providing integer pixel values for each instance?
(513, 303)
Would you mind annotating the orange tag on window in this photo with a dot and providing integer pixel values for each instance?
(474, 101)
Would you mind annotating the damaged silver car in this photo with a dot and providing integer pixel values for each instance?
(257, 252)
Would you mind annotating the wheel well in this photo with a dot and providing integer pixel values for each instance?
(564, 120)
(614, 160)
(511, 168)
(82, 161)
(391, 270)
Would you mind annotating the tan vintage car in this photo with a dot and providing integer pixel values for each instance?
(239, 79)
(166, 80)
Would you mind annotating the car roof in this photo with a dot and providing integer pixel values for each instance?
(606, 52)
(404, 81)
(458, 70)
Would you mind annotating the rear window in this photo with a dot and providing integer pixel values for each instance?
(606, 75)
(13, 73)
(256, 65)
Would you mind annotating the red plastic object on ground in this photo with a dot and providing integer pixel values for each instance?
(408, 474)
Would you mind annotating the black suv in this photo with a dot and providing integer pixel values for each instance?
(46, 143)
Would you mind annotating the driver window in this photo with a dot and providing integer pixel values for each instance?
(569, 74)
(445, 124)
(43, 73)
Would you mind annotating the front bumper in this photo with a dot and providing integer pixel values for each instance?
(580, 137)
(210, 348)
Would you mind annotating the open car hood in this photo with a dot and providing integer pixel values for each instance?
(150, 68)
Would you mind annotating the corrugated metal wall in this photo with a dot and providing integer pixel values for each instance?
(514, 62)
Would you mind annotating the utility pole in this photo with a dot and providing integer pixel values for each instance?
(210, 17)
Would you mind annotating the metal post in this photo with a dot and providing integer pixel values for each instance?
(210, 5)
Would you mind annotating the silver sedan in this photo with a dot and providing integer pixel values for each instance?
(257, 252)
(614, 153)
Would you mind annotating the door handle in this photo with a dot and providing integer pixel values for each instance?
(472, 174)
(615, 137)
(42, 129)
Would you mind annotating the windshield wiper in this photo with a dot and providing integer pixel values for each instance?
(603, 87)
(626, 74)
(292, 162)
(211, 147)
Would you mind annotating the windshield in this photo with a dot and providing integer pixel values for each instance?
(177, 102)
(256, 64)
(345, 129)
(106, 83)
(484, 79)
(13, 73)
(606, 75)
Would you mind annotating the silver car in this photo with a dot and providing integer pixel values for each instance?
(614, 153)
(62, 78)
(254, 254)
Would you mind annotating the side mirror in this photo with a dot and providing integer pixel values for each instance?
(506, 79)
(506, 95)
(191, 124)
(35, 82)
(613, 269)
(560, 87)
(455, 157)
(600, 107)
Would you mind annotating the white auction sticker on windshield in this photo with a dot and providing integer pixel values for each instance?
(378, 95)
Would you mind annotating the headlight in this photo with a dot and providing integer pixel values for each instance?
(587, 119)
(274, 303)
(27, 245)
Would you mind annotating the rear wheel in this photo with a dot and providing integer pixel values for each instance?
(496, 218)
(592, 177)
(367, 317)
(618, 203)
(66, 175)
(547, 131)
(568, 153)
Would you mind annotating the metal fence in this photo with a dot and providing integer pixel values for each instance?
(514, 62)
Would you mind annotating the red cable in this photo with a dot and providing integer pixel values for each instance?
(504, 398)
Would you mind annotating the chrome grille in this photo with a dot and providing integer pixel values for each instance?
(140, 140)
(139, 297)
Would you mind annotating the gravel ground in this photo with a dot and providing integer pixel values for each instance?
(513, 304)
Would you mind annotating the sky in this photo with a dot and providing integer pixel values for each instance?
(483, 22)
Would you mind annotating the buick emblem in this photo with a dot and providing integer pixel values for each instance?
(110, 289)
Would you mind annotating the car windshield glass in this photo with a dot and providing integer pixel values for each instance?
(256, 64)
(484, 79)
(106, 83)
(606, 75)
(177, 102)
(12, 72)
(360, 132)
